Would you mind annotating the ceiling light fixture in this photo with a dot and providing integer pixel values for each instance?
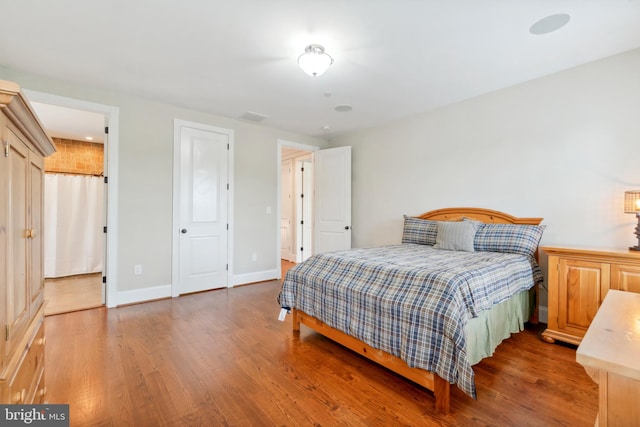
(314, 61)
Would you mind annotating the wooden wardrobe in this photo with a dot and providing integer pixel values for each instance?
(24, 146)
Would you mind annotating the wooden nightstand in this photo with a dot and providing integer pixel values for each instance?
(578, 280)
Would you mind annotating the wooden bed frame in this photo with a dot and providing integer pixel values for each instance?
(427, 379)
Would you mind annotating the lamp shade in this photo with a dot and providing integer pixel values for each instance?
(314, 61)
(632, 201)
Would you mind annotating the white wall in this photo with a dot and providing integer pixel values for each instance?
(564, 147)
(145, 182)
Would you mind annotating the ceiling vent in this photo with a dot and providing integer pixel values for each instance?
(254, 117)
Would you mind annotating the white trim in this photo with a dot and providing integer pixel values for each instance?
(258, 276)
(143, 295)
(284, 143)
(175, 222)
(230, 211)
(112, 114)
(175, 235)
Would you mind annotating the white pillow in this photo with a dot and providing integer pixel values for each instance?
(456, 236)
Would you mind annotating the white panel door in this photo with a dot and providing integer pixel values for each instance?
(203, 209)
(332, 197)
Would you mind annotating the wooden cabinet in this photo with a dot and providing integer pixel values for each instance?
(626, 277)
(609, 354)
(24, 146)
(578, 281)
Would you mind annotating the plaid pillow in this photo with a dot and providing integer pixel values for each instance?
(508, 238)
(420, 231)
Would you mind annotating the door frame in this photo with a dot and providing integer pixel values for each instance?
(111, 113)
(300, 208)
(284, 143)
(175, 235)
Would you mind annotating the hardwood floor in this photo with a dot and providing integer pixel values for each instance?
(223, 358)
(66, 294)
(285, 266)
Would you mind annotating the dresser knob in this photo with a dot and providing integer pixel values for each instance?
(20, 396)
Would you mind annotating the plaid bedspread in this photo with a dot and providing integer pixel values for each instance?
(409, 300)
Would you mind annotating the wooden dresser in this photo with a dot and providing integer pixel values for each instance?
(609, 353)
(24, 146)
(578, 281)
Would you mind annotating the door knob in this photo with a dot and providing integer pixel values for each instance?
(183, 231)
(346, 227)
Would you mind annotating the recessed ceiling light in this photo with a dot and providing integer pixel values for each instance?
(88, 138)
(325, 128)
(343, 108)
(550, 24)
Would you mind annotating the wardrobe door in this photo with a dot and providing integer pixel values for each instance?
(18, 237)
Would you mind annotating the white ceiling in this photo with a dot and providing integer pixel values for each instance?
(393, 58)
(69, 123)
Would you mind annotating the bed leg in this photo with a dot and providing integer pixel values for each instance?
(295, 319)
(442, 392)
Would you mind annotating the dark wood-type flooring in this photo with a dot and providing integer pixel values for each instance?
(222, 358)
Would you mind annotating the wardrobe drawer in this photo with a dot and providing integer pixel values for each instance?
(40, 396)
(22, 385)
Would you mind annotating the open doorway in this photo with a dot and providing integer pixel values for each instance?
(74, 209)
(111, 115)
(315, 208)
(296, 203)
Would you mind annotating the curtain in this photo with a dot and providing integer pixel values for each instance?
(73, 221)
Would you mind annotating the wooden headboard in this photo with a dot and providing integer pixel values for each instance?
(479, 214)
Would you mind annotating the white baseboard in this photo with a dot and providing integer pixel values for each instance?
(142, 295)
(258, 276)
(158, 292)
(543, 314)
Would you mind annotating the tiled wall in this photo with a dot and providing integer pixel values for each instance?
(77, 157)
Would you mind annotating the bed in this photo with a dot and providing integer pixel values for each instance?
(461, 281)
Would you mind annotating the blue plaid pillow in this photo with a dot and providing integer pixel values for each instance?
(420, 231)
(508, 238)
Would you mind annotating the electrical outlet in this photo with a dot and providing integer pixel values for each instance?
(254, 257)
(137, 269)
